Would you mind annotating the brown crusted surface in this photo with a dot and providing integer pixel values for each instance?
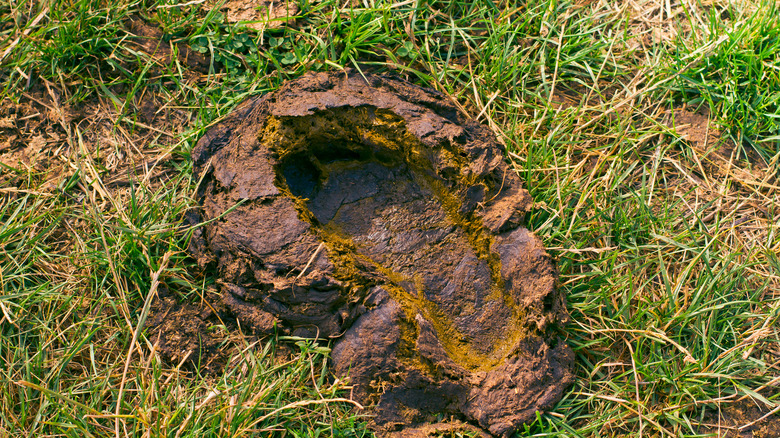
(371, 212)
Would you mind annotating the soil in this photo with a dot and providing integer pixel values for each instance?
(151, 40)
(368, 211)
(742, 419)
(259, 14)
(191, 334)
(705, 137)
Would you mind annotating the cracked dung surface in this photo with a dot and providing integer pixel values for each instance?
(370, 212)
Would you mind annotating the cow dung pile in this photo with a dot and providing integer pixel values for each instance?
(367, 210)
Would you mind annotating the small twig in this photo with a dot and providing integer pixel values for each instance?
(763, 417)
(484, 108)
(311, 259)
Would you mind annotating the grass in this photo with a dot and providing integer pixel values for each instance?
(666, 240)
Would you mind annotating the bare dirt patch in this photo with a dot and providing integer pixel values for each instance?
(259, 14)
(151, 40)
(31, 137)
(192, 334)
(742, 419)
(696, 128)
(370, 212)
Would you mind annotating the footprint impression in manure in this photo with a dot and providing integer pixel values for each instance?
(367, 210)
